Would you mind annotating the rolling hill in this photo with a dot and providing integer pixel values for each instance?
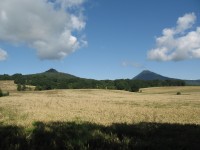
(52, 73)
(148, 75)
(52, 79)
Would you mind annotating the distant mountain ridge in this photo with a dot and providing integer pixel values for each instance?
(149, 75)
(54, 75)
(51, 71)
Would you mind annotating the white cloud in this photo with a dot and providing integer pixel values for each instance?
(178, 43)
(45, 25)
(185, 22)
(68, 3)
(3, 55)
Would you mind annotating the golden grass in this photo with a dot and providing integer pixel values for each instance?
(172, 90)
(8, 85)
(102, 106)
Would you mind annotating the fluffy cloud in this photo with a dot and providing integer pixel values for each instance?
(3, 55)
(45, 25)
(178, 43)
(67, 3)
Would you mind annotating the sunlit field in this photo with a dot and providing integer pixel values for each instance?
(154, 118)
(105, 107)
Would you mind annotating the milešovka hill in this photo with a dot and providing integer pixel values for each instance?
(52, 73)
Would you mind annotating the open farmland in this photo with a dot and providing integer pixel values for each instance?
(8, 85)
(102, 109)
(103, 106)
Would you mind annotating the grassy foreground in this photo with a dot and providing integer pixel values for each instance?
(157, 118)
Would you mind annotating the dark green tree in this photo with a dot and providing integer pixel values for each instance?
(134, 88)
(23, 87)
(1, 93)
(19, 87)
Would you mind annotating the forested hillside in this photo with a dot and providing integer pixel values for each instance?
(53, 79)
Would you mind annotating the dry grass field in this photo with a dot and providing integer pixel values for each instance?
(105, 107)
(155, 118)
(8, 85)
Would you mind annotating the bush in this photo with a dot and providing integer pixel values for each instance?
(19, 88)
(134, 88)
(38, 88)
(4, 93)
(1, 93)
(178, 93)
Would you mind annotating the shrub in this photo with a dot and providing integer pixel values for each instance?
(38, 88)
(178, 93)
(134, 88)
(1, 93)
(23, 87)
(19, 88)
(4, 93)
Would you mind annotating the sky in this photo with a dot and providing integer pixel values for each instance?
(101, 39)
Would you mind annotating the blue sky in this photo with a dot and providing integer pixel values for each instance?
(106, 39)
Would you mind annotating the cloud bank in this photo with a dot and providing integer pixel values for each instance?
(178, 43)
(3, 55)
(48, 26)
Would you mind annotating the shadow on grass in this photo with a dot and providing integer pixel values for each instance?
(84, 135)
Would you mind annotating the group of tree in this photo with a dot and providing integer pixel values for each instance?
(48, 81)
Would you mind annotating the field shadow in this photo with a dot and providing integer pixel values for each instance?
(85, 135)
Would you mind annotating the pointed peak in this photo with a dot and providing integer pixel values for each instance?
(146, 71)
(149, 75)
(51, 71)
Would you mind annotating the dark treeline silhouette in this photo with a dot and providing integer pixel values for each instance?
(48, 81)
(89, 136)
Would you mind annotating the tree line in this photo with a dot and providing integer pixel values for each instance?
(46, 82)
